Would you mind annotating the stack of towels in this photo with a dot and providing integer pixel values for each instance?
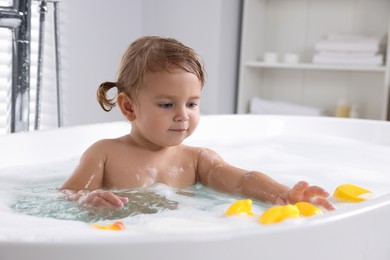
(346, 49)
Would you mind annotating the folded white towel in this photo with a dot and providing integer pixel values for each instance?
(350, 37)
(262, 106)
(347, 54)
(376, 60)
(349, 46)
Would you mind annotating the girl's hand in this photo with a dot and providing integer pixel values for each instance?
(102, 198)
(303, 192)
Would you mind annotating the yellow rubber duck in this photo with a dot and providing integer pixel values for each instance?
(351, 193)
(274, 214)
(240, 207)
(307, 209)
(277, 214)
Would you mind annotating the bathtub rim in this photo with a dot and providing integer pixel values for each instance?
(283, 124)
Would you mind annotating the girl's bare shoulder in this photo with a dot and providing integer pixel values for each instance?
(204, 154)
(108, 144)
(191, 149)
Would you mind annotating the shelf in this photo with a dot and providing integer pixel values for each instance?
(311, 66)
(296, 26)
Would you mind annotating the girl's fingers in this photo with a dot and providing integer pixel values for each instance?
(313, 194)
(124, 199)
(316, 191)
(112, 199)
(100, 202)
(106, 199)
(297, 192)
(322, 202)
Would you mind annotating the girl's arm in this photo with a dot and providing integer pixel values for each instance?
(88, 174)
(85, 183)
(215, 173)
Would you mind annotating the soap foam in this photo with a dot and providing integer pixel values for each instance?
(323, 161)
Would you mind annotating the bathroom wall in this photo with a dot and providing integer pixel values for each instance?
(96, 34)
(212, 29)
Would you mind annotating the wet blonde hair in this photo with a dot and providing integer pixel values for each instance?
(147, 55)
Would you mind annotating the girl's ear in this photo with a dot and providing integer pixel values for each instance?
(126, 105)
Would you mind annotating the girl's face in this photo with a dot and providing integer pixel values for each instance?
(167, 108)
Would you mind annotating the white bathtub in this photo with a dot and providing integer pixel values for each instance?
(359, 231)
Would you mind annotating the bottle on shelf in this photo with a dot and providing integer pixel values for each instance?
(343, 108)
(355, 113)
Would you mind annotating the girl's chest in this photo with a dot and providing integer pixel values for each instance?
(144, 172)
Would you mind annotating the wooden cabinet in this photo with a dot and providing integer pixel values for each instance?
(295, 26)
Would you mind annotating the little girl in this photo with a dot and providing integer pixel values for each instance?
(159, 90)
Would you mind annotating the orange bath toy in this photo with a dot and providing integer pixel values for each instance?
(351, 193)
(277, 214)
(115, 226)
(307, 209)
(240, 207)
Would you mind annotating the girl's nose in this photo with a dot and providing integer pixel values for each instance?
(181, 114)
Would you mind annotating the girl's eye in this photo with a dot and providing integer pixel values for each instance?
(166, 105)
(192, 104)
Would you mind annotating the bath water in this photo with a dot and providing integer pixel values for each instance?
(32, 207)
(44, 200)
